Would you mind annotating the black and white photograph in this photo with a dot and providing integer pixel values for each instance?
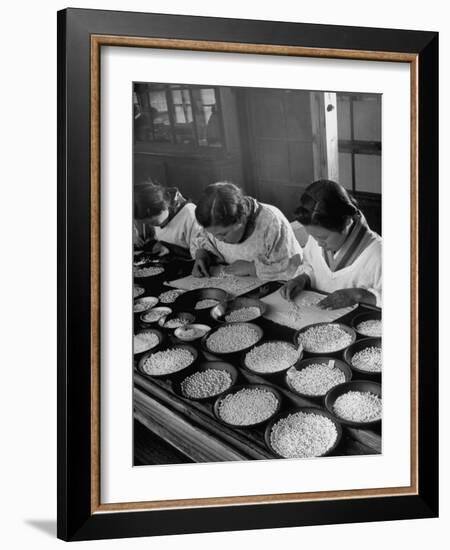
(257, 273)
(247, 275)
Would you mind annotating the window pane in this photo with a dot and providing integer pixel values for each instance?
(176, 96)
(177, 114)
(208, 96)
(182, 109)
(180, 116)
(143, 130)
(160, 115)
(206, 117)
(368, 173)
(343, 116)
(345, 170)
(367, 118)
(158, 101)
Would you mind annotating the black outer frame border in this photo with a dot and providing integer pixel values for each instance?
(75, 521)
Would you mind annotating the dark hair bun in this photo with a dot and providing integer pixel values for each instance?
(327, 204)
(150, 199)
(221, 204)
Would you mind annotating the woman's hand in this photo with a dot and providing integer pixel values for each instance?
(216, 270)
(138, 241)
(201, 264)
(347, 297)
(292, 288)
(157, 248)
(241, 268)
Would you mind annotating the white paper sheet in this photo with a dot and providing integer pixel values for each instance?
(302, 311)
(230, 283)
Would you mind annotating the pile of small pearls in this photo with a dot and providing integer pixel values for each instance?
(144, 341)
(248, 406)
(206, 304)
(358, 406)
(368, 359)
(326, 338)
(243, 314)
(303, 435)
(206, 383)
(315, 379)
(144, 303)
(148, 271)
(175, 323)
(170, 296)
(271, 357)
(167, 361)
(138, 291)
(372, 328)
(156, 314)
(232, 338)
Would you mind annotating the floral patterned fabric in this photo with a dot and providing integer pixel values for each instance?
(272, 246)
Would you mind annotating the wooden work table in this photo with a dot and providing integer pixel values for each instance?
(190, 427)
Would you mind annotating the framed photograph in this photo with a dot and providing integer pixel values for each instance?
(247, 286)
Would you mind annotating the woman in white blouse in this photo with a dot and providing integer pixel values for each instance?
(342, 255)
(251, 238)
(170, 216)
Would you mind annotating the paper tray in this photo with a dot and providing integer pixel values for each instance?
(302, 311)
(232, 284)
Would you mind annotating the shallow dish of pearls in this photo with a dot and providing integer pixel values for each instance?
(247, 406)
(208, 380)
(305, 432)
(239, 310)
(325, 338)
(357, 403)
(314, 377)
(232, 338)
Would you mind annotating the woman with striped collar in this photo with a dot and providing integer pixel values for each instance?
(342, 255)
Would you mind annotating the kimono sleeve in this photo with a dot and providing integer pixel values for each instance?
(281, 254)
(190, 230)
(201, 239)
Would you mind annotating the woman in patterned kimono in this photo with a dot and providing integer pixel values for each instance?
(251, 238)
(342, 255)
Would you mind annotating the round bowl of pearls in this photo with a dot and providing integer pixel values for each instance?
(154, 315)
(169, 296)
(231, 338)
(271, 358)
(167, 362)
(176, 320)
(201, 300)
(191, 332)
(312, 378)
(146, 340)
(144, 304)
(304, 432)
(206, 382)
(365, 358)
(148, 271)
(325, 338)
(238, 310)
(247, 406)
(357, 403)
(368, 324)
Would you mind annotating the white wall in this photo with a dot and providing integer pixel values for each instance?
(28, 289)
